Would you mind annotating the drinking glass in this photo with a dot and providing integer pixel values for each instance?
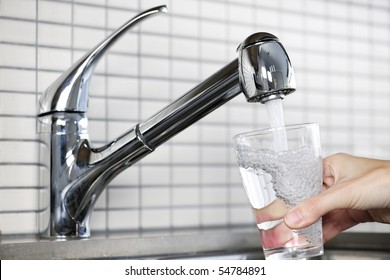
(280, 168)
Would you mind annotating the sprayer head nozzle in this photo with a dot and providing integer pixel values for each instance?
(265, 69)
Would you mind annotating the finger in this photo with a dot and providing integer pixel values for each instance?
(277, 236)
(273, 211)
(328, 174)
(333, 168)
(280, 236)
(309, 211)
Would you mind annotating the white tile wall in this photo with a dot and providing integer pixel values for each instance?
(341, 55)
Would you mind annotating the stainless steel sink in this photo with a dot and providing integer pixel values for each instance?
(358, 246)
(355, 255)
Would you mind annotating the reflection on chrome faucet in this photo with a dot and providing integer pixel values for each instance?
(76, 173)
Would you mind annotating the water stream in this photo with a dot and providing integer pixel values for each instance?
(276, 120)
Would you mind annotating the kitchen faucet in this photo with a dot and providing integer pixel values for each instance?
(77, 173)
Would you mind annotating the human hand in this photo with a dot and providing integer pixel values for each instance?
(356, 190)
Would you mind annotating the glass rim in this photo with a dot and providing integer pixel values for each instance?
(270, 129)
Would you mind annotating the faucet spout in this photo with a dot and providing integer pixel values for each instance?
(77, 173)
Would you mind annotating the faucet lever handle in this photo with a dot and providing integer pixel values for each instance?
(69, 93)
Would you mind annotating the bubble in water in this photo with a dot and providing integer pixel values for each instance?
(313, 233)
(296, 174)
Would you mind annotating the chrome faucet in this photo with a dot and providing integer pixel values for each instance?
(77, 173)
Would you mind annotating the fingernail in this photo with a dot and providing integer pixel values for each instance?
(293, 218)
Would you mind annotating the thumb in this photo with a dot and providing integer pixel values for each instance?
(312, 209)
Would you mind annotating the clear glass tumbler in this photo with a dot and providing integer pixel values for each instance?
(281, 167)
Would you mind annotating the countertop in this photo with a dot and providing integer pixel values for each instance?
(227, 245)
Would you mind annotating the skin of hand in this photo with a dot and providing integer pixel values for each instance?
(355, 190)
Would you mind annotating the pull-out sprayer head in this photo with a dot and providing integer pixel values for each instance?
(265, 69)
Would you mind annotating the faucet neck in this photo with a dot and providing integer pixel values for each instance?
(194, 105)
(79, 173)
